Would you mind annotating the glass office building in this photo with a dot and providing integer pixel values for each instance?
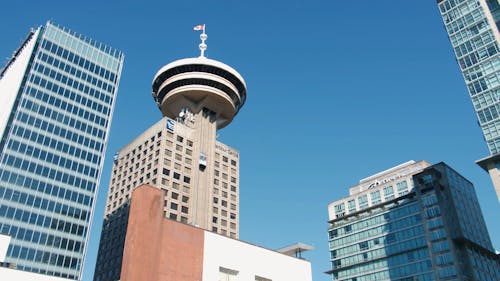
(57, 94)
(433, 230)
(472, 27)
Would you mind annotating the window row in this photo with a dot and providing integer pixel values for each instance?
(49, 188)
(387, 251)
(44, 257)
(390, 262)
(76, 111)
(84, 99)
(84, 126)
(40, 220)
(393, 214)
(33, 152)
(59, 146)
(383, 229)
(78, 60)
(43, 171)
(42, 238)
(379, 241)
(46, 205)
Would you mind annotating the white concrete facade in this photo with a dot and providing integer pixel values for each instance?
(12, 78)
(4, 246)
(249, 262)
(384, 186)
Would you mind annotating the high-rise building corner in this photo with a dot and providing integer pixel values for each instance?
(57, 94)
(473, 30)
(415, 221)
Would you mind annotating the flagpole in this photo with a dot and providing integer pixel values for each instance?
(203, 46)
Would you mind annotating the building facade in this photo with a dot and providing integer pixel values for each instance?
(431, 230)
(472, 26)
(170, 250)
(180, 155)
(57, 93)
(167, 156)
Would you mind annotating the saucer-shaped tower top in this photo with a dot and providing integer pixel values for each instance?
(197, 83)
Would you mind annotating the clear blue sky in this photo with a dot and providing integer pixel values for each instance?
(337, 91)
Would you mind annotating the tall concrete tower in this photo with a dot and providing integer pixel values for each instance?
(180, 155)
(204, 95)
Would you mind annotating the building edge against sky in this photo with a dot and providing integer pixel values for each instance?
(415, 220)
(59, 91)
(472, 27)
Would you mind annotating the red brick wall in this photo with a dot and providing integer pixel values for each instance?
(157, 248)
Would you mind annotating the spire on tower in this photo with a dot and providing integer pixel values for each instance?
(203, 37)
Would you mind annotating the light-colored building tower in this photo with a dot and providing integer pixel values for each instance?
(411, 222)
(180, 154)
(57, 95)
(472, 26)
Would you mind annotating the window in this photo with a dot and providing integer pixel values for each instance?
(388, 192)
(375, 197)
(352, 205)
(402, 188)
(363, 201)
(177, 166)
(226, 274)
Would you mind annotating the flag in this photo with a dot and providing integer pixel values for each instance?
(199, 27)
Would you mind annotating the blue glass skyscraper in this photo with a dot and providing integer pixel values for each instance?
(411, 222)
(472, 26)
(57, 95)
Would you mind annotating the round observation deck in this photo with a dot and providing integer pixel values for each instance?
(198, 83)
